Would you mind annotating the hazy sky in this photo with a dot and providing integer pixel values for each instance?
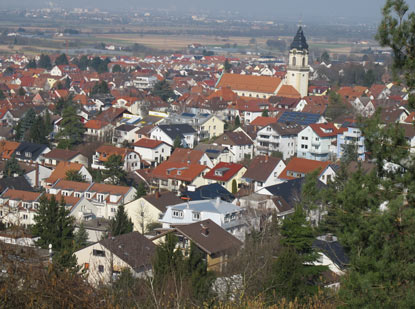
(290, 9)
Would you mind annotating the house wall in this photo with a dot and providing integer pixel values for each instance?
(313, 147)
(157, 155)
(273, 177)
(142, 213)
(108, 262)
(214, 127)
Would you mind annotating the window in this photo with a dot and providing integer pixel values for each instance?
(25, 217)
(101, 268)
(294, 61)
(303, 63)
(196, 215)
(177, 214)
(100, 253)
(100, 197)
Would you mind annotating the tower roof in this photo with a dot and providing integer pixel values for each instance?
(299, 41)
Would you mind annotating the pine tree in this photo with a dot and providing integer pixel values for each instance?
(24, 125)
(38, 131)
(81, 237)
(54, 226)
(61, 59)
(31, 64)
(237, 122)
(74, 175)
(44, 62)
(114, 170)
(72, 128)
(163, 90)
(177, 142)
(227, 67)
(141, 190)
(12, 167)
(121, 224)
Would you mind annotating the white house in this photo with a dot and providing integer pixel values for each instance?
(169, 133)
(104, 260)
(152, 151)
(318, 142)
(278, 137)
(263, 171)
(224, 214)
(239, 144)
(130, 158)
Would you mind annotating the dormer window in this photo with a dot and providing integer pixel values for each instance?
(28, 154)
(196, 216)
(177, 214)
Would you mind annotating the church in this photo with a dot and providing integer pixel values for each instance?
(294, 85)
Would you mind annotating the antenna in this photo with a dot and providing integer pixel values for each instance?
(300, 21)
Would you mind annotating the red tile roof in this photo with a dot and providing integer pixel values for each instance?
(250, 83)
(228, 171)
(263, 121)
(20, 195)
(178, 170)
(147, 143)
(95, 124)
(288, 91)
(303, 166)
(61, 169)
(326, 129)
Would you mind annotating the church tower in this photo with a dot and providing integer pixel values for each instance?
(298, 69)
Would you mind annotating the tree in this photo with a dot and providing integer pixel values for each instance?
(2, 96)
(100, 88)
(53, 225)
(44, 62)
(237, 122)
(74, 175)
(265, 113)
(39, 131)
(72, 128)
(83, 63)
(396, 32)
(234, 187)
(12, 167)
(116, 68)
(61, 60)
(163, 90)
(32, 64)
(227, 67)
(336, 106)
(141, 190)
(24, 125)
(325, 57)
(21, 92)
(81, 237)
(114, 170)
(177, 143)
(121, 223)
(62, 104)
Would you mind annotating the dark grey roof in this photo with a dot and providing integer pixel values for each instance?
(208, 192)
(299, 118)
(25, 147)
(290, 191)
(133, 248)
(16, 183)
(174, 130)
(299, 42)
(333, 250)
(125, 127)
(163, 199)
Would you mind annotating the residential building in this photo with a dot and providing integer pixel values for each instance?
(152, 151)
(169, 133)
(278, 137)
(205, 235)
(318, 142)
(104, 260)
(148, 209)
(263, 171)
(191, 156)
(208, 192)
(226, 174)
(224, 214)
(61, 170)
(130, 158)
(125, 133)
(30, 152)
(55, 156)
(215, 153)
(290, 117)
(239, 144)
(352, 137)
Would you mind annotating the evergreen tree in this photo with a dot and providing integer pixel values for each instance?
(116, 68)
(81, 237)
(177, 143)
(83, 63)
(100, 88)
(62, 104)
(72, 128)
(325, 57)
(121, 224)
(38, 131)
(44, 62)
(12, 167)
(141, 190)
(74, 175)
(265, 113)
(2, 95)
(396, 32)
(163, 90)
(237, 122)
(53, 225)
(234, 187)
(227, 67)
(61, 60)
(114, 170)
(24, 125)
(21, 92)
(31, 64)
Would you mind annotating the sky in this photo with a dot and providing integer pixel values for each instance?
(288, 9)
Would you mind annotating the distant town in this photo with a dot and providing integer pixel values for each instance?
(200, 174)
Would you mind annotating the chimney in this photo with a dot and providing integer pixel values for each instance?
(329, 237)
(37, 175)
(157, 194)
(204, 230)
(217, 202)
(238, 202)
(266, 158)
